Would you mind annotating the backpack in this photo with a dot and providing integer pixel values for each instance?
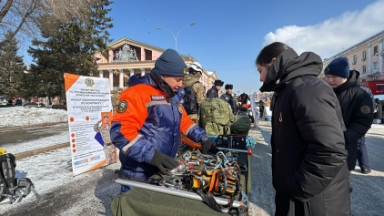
(215, 116)
(7, 173)
(12, 188)
(241, 124)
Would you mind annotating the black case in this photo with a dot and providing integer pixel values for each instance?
(232, 141)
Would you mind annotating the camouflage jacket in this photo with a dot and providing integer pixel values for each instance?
(115, 98)
(198, 88)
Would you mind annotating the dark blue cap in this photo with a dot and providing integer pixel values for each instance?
(170, 63)
(338, 67)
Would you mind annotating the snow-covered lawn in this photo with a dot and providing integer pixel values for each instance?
(20, 116)
(50, 172)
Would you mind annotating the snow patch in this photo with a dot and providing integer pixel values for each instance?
(48, 172)
(20, 116)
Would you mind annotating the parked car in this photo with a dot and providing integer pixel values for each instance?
(59, 106)
(33, 104)
(10, 103)
(18, 102)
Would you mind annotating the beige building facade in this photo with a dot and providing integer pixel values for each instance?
(128, 57)
(365, 57)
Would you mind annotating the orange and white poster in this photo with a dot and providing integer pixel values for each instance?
(89, 120)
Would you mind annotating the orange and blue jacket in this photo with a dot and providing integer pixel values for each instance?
(147, 119)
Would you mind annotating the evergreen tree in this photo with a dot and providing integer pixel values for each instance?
(69, 47)
(11, 67)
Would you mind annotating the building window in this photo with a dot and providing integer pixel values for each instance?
(148, 54)
(375, 50)
(364, 69)
(354, 59)
(364, 55)
(375, 68)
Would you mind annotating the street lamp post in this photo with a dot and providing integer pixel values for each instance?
(177, 35)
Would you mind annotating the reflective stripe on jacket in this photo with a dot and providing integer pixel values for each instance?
(150, 121)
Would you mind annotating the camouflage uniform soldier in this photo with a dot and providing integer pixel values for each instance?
(194, 90)
(109, 149)
(115, 99)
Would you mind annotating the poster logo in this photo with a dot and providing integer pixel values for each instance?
(89, 82)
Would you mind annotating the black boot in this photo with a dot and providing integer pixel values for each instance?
(365, 171)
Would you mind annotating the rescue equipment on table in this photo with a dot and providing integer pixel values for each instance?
(213, 177)
(219, 177)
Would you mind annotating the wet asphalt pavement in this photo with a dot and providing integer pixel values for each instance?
(28, 133)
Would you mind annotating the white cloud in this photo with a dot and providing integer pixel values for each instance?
(331, 36)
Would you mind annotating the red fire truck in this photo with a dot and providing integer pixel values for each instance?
(377, 87)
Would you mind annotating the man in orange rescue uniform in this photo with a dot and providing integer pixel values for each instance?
(149, 119)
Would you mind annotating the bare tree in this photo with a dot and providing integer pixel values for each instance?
(21, 16)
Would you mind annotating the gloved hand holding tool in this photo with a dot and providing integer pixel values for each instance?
(205, 147)
(208, 147)
(163, 162)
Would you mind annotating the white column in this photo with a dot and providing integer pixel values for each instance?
(381, 53)
(369, 55)
(101, 74)
(132, 72)
(111, 79)
(142, 71)
(143, 54)
(121, 78)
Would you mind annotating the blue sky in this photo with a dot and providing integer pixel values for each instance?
(228, 34)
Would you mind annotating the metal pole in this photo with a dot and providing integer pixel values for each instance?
(180, 193)
(177, 35)
(232, 149)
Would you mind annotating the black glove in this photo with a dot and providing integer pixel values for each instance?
(163, 162)
(208, 147)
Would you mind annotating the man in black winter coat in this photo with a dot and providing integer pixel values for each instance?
(309, 169)
(228, 96)
(214, 91)
(356, 104)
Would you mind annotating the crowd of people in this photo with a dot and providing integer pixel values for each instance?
(318, 126)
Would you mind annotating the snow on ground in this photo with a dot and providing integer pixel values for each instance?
(20, 116)
(52, 177)
(377, 128)
(367, 196)
(15, 148)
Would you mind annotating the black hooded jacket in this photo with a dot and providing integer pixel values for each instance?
(213, 93)
(357, 108)
(309, 167)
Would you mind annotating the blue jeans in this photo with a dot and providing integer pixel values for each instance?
(362, 154)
